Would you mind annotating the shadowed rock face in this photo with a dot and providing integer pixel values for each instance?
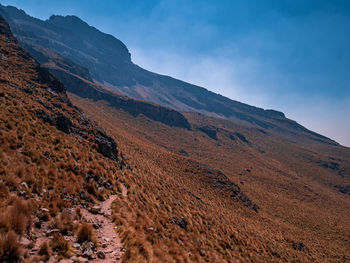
(43, 76)
(109, 61)
(135, 107)
(210, 131)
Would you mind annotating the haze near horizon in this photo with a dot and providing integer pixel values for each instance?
(293, 57)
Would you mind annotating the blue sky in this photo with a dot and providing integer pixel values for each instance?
(289, 55)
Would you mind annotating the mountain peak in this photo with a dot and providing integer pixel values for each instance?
(69, 19)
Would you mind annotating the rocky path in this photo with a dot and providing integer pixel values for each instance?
(111, 248)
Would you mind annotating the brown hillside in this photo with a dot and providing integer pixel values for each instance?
(53, 162)
(208, 175)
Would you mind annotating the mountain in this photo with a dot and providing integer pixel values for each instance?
(90, 175)
(106, 61)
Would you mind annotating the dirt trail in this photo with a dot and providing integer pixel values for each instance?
(124, 190)
(108, 239)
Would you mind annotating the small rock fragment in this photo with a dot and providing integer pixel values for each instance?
(101, 255)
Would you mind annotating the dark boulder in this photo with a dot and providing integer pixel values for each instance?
(238, 194)
(180, 221)
(183, 152)
(45, 77)
(106, 145)
(300, 246)
(241, 137)
(101, 255)
(343, 189)
(220, 181)
(64, 124)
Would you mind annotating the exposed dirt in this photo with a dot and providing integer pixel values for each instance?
(108, 239)
(124, 190)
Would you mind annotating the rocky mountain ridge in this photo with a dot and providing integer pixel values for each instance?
(109, 63)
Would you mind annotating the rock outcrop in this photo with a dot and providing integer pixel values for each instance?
(220, 181)
(106, 145)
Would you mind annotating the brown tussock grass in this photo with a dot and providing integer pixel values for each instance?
(10, 249)
(86, 233)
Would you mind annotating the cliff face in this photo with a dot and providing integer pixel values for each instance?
(135, 107)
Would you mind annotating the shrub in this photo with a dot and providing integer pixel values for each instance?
(10, 249)
(4, 223)
(91, 188)
(11, 182)
(19, 217)
(59, 244)
(65, 223)
(85, 233)
(43, 216)
(78, 213)
(44, 250)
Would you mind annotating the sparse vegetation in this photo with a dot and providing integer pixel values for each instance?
(44, 250)
(43, 169)
(164, 185)
(10, 249)
(86, 234)
(59, 244)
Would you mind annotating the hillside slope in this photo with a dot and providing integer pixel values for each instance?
(295, 207)
(218, 192)
(54, 163)
(109, 63)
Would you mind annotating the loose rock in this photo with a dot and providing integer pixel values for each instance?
(101, 255)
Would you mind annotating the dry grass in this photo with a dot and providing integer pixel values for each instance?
(292, 192)
(16, 217)
(19, 217)
(44, 250)
(10, 249)
(296, 196)
(86, 233)
(60, 245)
(42, 167)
